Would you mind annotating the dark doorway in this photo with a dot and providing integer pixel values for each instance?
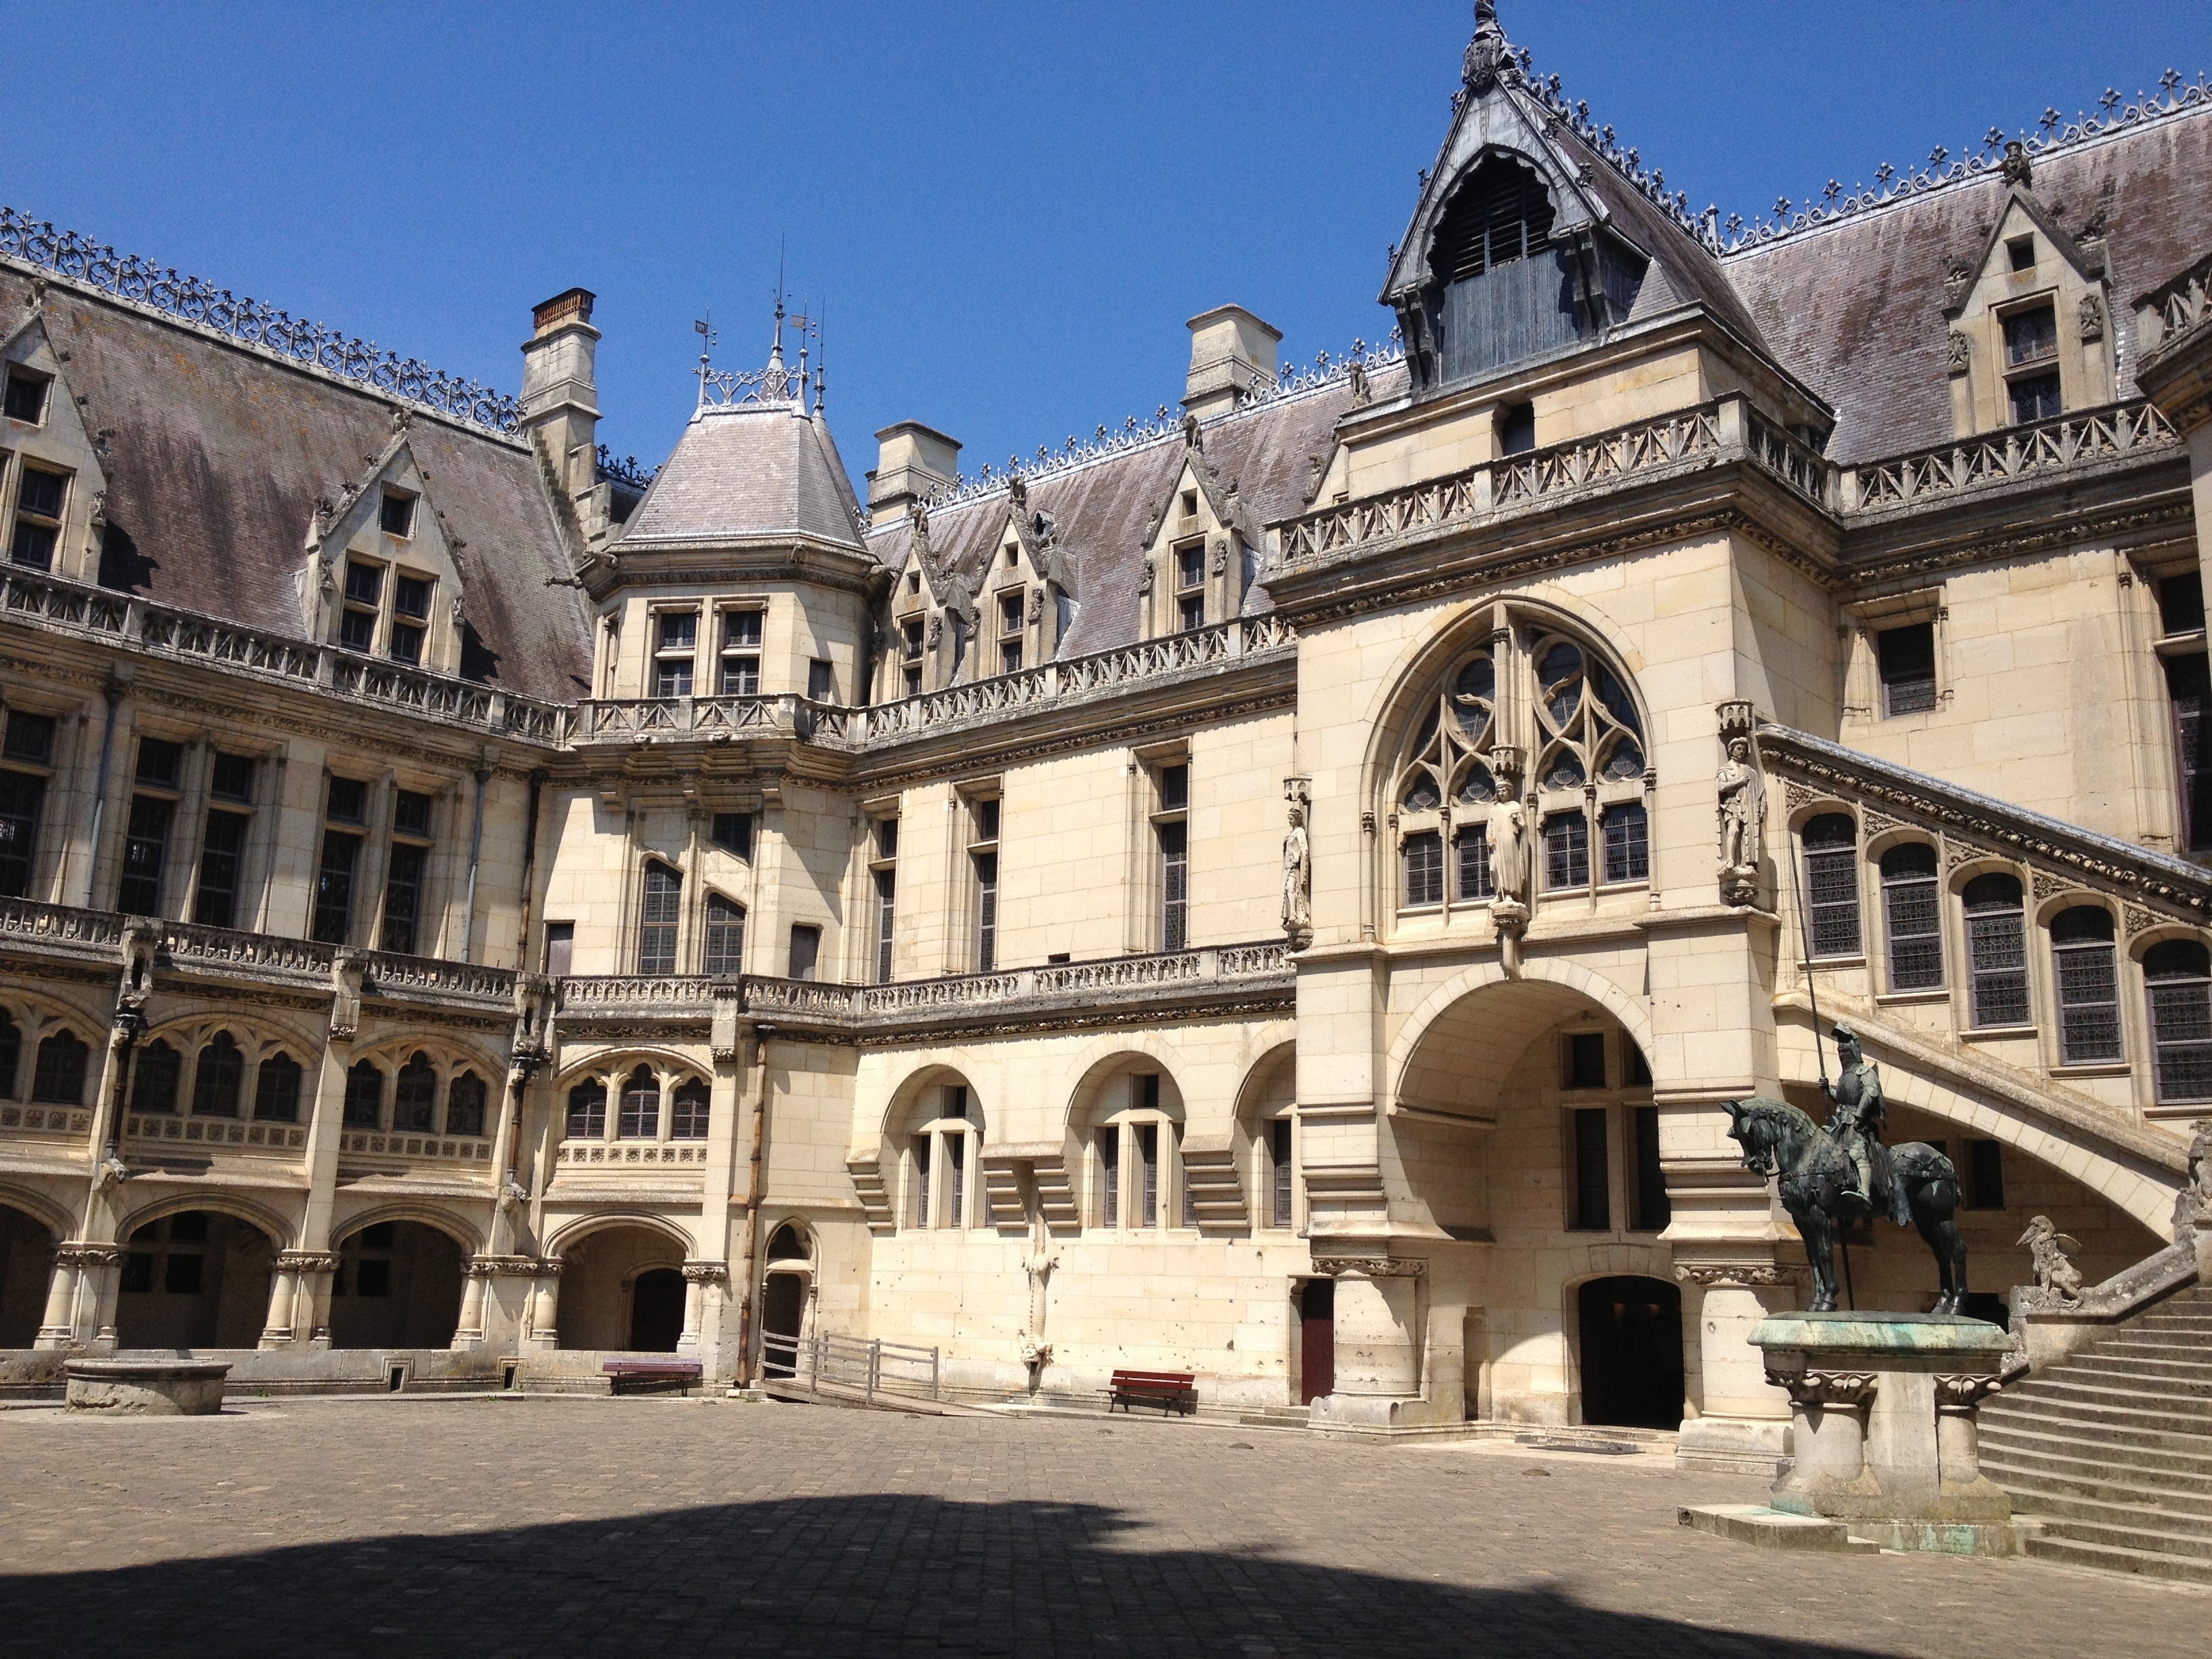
(783, 1300)
(656, 1311)
(1316, 1339)
(1631, 1334)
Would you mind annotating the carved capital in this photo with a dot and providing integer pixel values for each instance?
(77, 1253)
(306, 1261)
(1966, 1391)
(1741, 1275)
(707, 1272)
(501, 1267)
(1371, 1266)
(1821, 1388)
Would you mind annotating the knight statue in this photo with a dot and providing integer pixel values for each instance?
(1857, 1121)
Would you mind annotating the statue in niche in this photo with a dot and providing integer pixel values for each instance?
(1298, 880)
(1742, 807)
(1507, 833)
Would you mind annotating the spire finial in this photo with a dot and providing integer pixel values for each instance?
(1488, 57)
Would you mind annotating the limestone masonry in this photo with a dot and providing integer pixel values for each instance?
(1281, 894)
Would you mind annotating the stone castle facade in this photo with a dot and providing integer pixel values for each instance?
(1282, 893)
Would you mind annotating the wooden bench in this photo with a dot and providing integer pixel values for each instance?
(648, 1376)
(1171, 1391)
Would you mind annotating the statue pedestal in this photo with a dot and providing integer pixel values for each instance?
(1883, 1431)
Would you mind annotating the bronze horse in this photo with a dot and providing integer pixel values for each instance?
(1820, 1192)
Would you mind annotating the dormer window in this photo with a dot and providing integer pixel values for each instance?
(914, 581)
(410, 605)
(1189, 505)
(26, 397)
(910, 649)
(741, 661)
(398, 516)
(364, 596)
(1190, 587)
(39, 496)
(674, 645)
(2030, 337)
(2022, 250)
(1010, 632)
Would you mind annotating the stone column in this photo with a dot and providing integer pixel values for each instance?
(469, 1331)
(311, 1295)
(1378, 1357)
(101, 1267)
(544, 1305)
(700, 1279)
(725, 1121)
(284, 1290)
(1828, 1428)
(1743, 1418)
(57, 1329)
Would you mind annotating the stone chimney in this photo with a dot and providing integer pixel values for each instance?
(1230, 349)
(913, 461)
(560, 397)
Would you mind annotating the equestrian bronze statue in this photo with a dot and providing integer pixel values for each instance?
(1832, 1176)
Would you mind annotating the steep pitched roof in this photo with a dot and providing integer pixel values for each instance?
(746, 471)
(1856, 306)
(217, 454)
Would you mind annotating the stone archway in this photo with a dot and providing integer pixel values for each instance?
(656, 1310)
(25, 1264)
(606, 1273)
(194, 1279)
(397, 1285)
(1629, 1331)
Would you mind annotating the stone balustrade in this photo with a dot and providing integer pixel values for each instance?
(2070, 444)
(2175, 308)
(195, 1133)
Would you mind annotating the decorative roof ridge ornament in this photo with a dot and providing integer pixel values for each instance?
(218, 311)
(1489, 58)
(778, 385)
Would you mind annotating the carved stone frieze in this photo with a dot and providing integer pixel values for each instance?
(1824, 1388)
(1965, 1390)
(1713, 1275)
(1371, 1266)
(306, 1261)
(502, 1267)
(78, 1253)
(707, 1272)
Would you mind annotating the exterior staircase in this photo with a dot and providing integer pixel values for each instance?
(2110, 1450)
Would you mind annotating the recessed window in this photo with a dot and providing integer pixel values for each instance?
(232, 778)
(914, 581)
(689, 1110)
(1907, 661)
(2177, 975)
(739, 675)
(145, 852)
(1832, 885)
(1985, 1174)
(405, 872)
(821, 680)
(410, 605)
(656, 920)
(1190, 587)
(987, 818)
(1175, 788)
(987, 912)
(349, 800)
(398, 515)
(886, 882)
(1425, 870)
(1567, 851)
(1627, 842)
(1912, 918)
(2036, 398)
(1585, 1054)
(222, 859)
(2021, 250)
(1997, 951)
(1010, 632)
(410, 813)
(725, 935)
(2181, 604)
(364, 593)
(30, 737)
(733, 832)
(39, 496)
(676, 641)
(1471, 846)
(2087, 978)
(26, 397)
(1517, 429)
(1592, 1189)
(160, 763)
(805, 949)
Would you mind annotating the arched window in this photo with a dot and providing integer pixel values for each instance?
(1140, 1156)
(465, 1105)
(1911, 917)
(938, 1190)
(364, 1095)
(640, 1106)
(1832, 885)
(415, 1095)
(1425, 869)
(657, 918)
(217, 1079)
(154, 1079)
(1997, 951)
(276, 1089)
(11, 1054)
(725, 935)
(2179, 976)
(2088, 985)
(687, 1111)
(58, 1077)
(587, 1111)
(787, 1244)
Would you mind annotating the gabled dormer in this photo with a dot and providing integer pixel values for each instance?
(1023, 597)
(381, 576)
(1200, 554)
(932, 619)
(2030, 317)
(52, 489)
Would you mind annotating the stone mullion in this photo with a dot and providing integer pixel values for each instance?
(375, 861)
(187, 832)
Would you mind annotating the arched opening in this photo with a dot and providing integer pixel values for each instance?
(24, 1242)
(1632, 1352)
(397, 1285)
(1316, 1339)
(783, 1309)
(198, 1278)
(938, 1132)
(622, 1287)
(656, 1310)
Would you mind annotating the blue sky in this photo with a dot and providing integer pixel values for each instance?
(1005, 212)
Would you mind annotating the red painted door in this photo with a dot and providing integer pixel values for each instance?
(1316, 1339)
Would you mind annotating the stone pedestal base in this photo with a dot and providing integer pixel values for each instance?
(142, 1388)
(1733, 1445)
(1882, 1426)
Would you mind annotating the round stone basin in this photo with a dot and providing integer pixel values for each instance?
(146, 1388)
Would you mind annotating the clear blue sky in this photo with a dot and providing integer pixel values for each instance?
(1007, 211)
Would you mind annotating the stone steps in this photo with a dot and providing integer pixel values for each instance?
(2122, 1407)
(2147, 1562)
(2109, 1504)
(2065, 1452)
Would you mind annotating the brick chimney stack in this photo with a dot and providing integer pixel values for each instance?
(560, 396)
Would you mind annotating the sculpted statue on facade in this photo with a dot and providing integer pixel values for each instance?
(1742, 807)
(2057, 1281)
(1298, 880)
(1507, 833)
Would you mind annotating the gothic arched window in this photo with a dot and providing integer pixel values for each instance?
(415, 1095)
(2082, 960)
(465, 1105)
(1997, 951)
(2177, 975)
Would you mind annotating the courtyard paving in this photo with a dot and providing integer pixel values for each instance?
(553, 1526)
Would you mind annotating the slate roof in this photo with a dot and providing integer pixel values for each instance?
(219, 454)
(750, 470)
(1855, 307)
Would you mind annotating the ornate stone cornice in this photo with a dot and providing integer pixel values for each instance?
(506, 1266)
(78, 1253)
(1808, 1387)
(1371, 1266)
(1965, 1391)
(306, 1261)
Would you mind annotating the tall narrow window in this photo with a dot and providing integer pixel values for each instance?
(155, 1076)
(1567, 851)
(1148, 1174)
(956, 1180)
(1582, 1055)
(465, 1105)
(1592, 1191)
(1423, 858)
(1010, 633)
(821, 680)
(1832, 885)
(733, 832)
(1471, 847)
(587, 1111)
(987, 912)
(276, 1089)
(923, 1144)
(805, 949)
(2177, 975)
(216, 1080)
(1906, 657)
(910, 657)
(560, 947)
(29, 742)
(11, 1054)
(145, 850)
(886, 923)
(656, 920)
(741, 644)
(2088, 985)
(640, 1106)
(688, 1111)
(1911, 918)
(364, 1095)
(411, 617)
(1653, 1211)
(725, 936)
(1190, 587)
(39, 496)
(1175, 886)
(674, 645)
(2187, 685)
(1109, 1175)
(347, 803)
(222, 855)
(415, 1095)
(1279, 1170)
(402, 879)
(58, 1078)
(1984, 1168)
(1997, 952)
(1627, 842)
(364, 598)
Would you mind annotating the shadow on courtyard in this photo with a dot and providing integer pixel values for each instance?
(871, 1575)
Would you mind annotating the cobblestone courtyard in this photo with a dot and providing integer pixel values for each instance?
(584, 1526)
